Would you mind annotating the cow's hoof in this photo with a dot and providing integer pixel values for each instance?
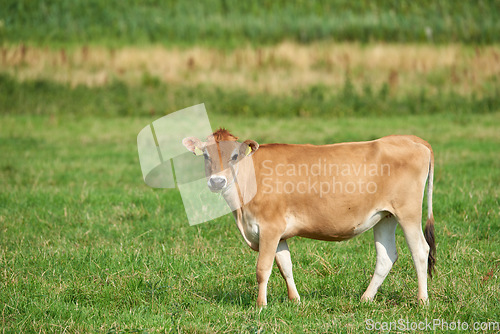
(366, 299)
(261, 307)
(423, 302)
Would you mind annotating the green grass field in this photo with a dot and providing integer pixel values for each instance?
(87, 246)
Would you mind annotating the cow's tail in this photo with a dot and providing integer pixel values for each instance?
(429, 226)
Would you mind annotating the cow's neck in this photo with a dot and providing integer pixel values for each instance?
(235, 195)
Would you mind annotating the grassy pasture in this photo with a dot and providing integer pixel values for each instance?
(87, 246)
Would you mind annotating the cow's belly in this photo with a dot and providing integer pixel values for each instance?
(320, 226)
(334, 228)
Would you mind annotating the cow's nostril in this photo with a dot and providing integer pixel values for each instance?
(217, 182)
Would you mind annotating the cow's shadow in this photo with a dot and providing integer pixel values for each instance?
(246, 298)
(230, 296)
(243, 293)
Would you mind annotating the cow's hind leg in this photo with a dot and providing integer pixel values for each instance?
(385, 244)
(420, 252)
(284, 262)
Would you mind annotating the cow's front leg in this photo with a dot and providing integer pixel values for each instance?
(284, 262)
(268, 243)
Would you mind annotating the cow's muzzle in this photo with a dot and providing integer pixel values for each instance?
(216, 183)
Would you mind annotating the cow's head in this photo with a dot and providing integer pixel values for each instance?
(222, 152)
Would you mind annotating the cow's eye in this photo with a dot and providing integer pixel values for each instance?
(234, 157)
(206, 156)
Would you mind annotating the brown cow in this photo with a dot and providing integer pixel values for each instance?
(328, 192)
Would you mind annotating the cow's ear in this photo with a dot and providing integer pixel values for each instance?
(194, 145)
(252, 147)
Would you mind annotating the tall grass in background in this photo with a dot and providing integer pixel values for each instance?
(152, 97)
(228, 23)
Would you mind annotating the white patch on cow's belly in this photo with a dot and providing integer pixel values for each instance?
(251, 228)
(371, 221)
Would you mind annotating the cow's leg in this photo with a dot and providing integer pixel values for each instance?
(268, 243)
(420, 252)
(284, 262)
(385, 244)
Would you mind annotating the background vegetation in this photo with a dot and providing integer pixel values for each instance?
(227, 23)
(86, 246)
(118, 99)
